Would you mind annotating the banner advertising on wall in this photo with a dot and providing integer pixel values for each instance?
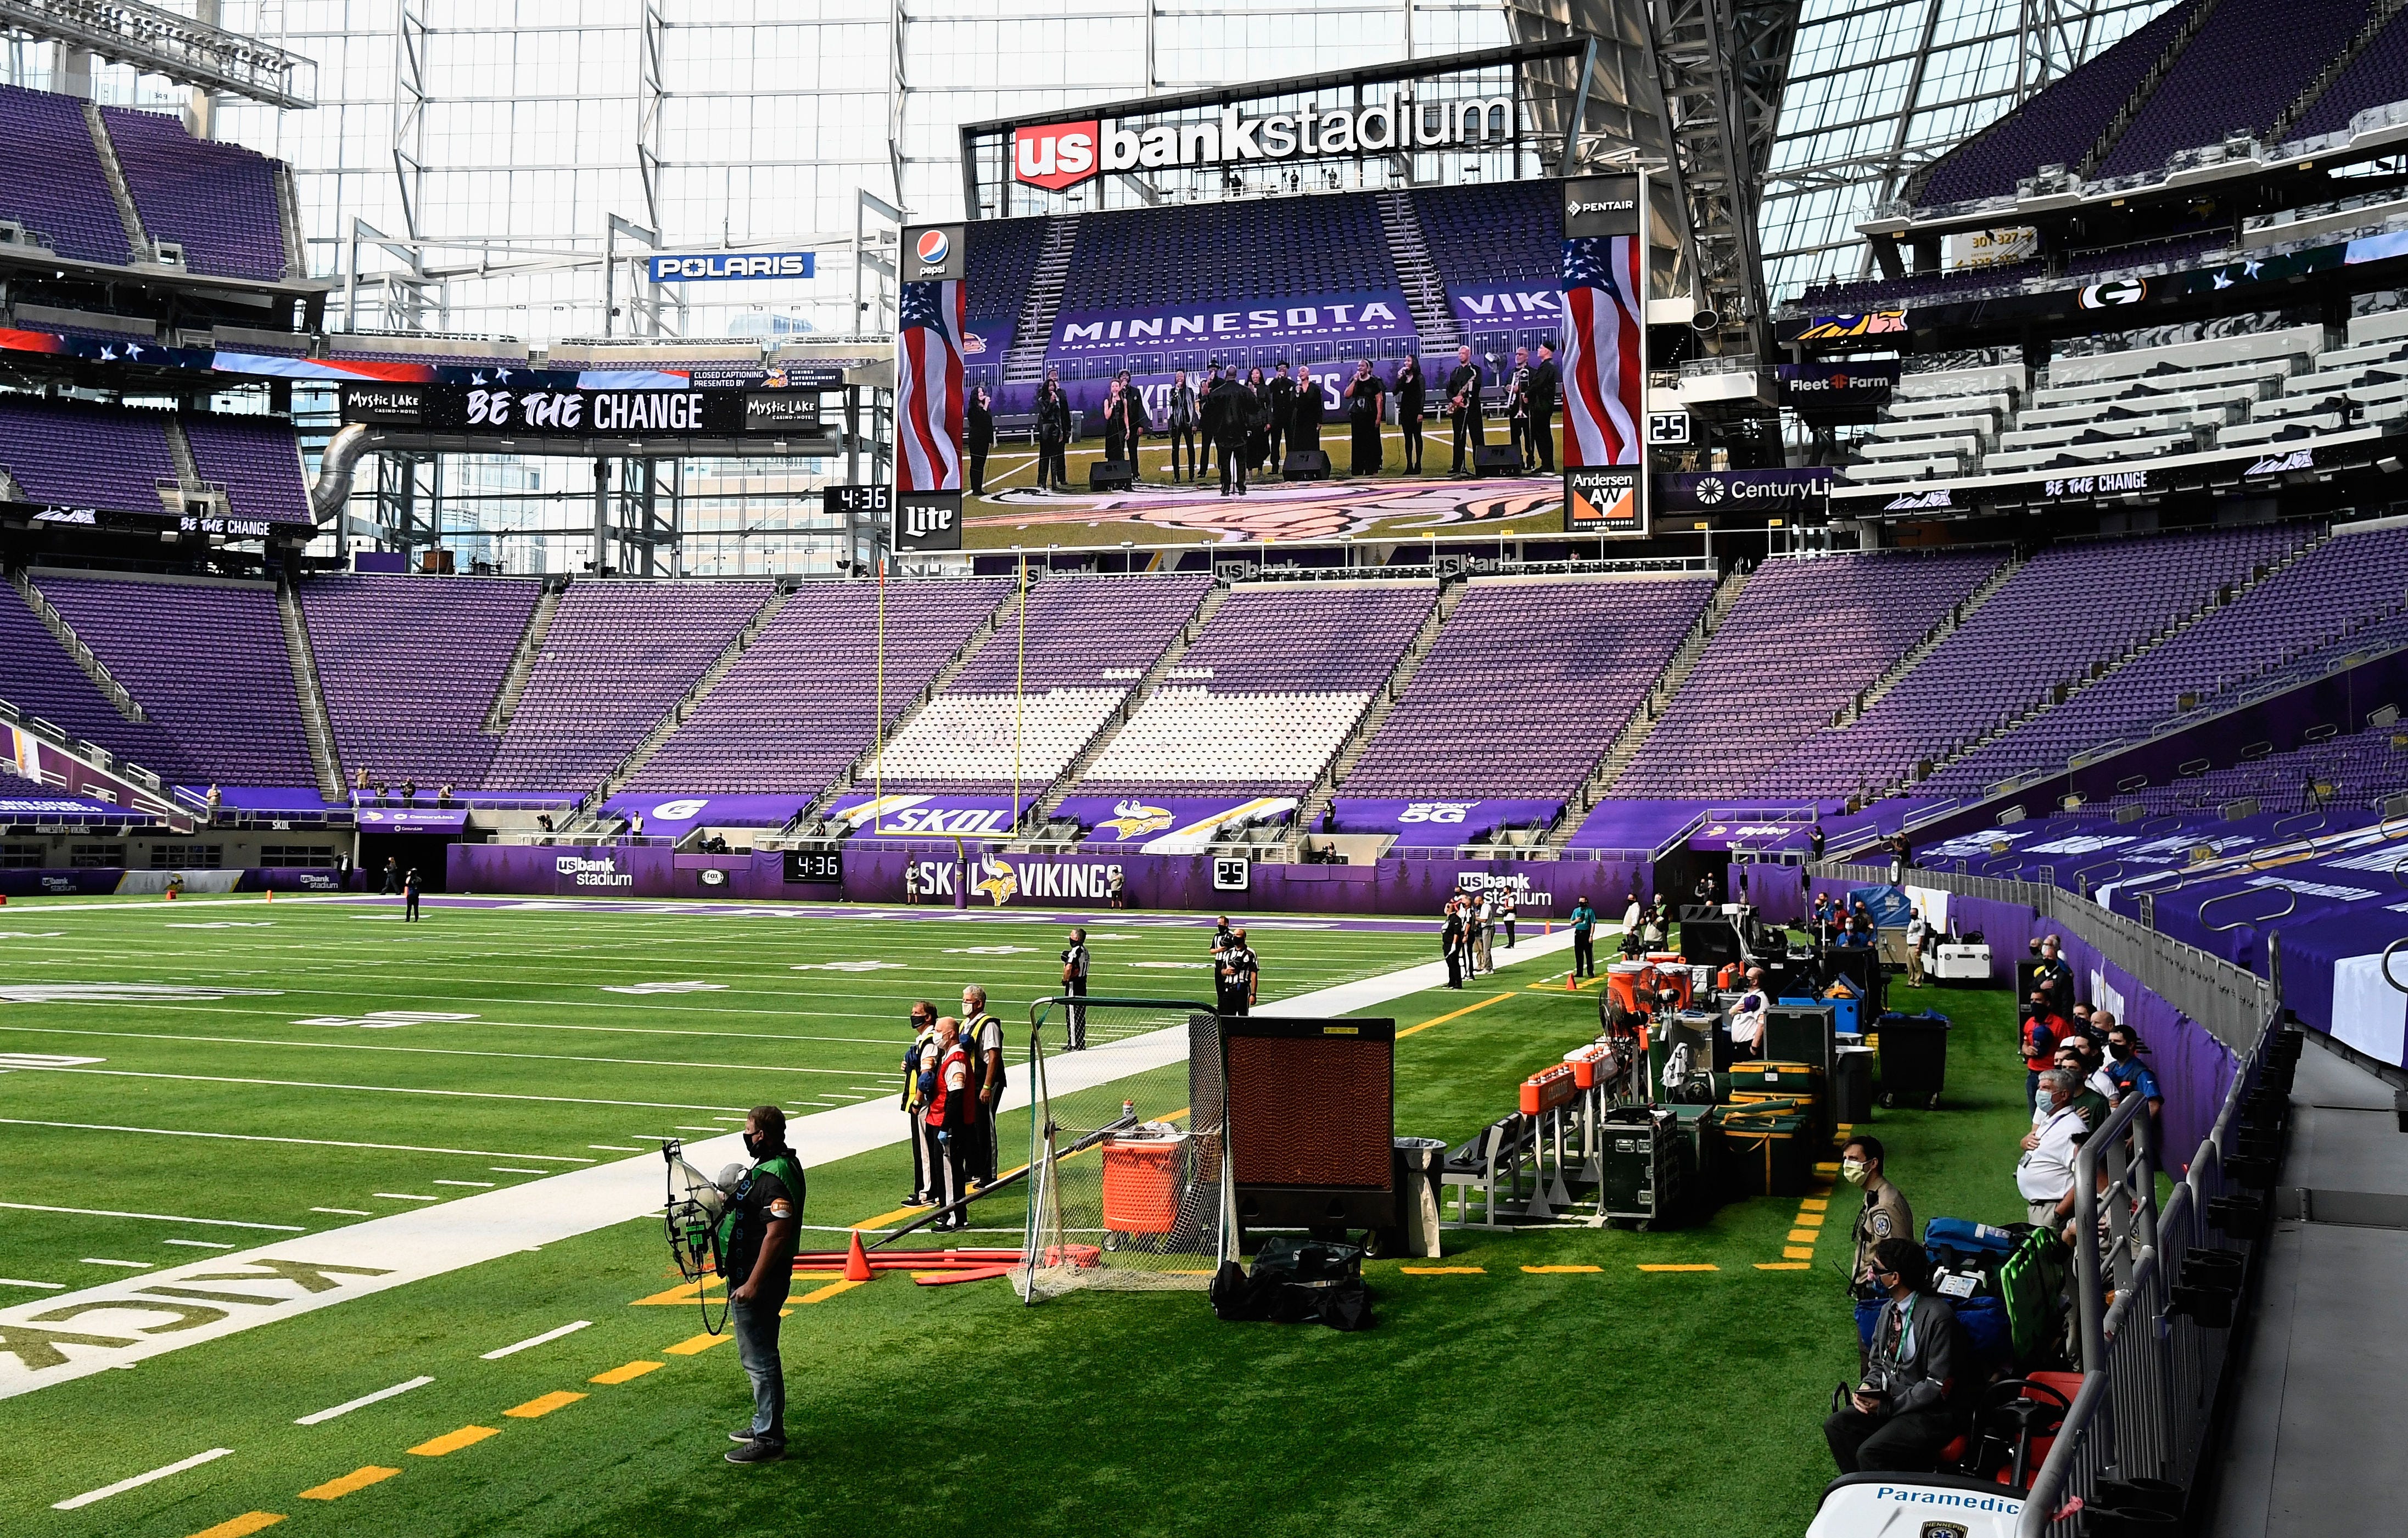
(1604, 500)
(722, 266)
(1059, 155)
(1838, 393)
(1337, 318)
(929, 520)
(543, 411)
(1170, 824)
(1439, 824)
(899, 816)
(1777, 493)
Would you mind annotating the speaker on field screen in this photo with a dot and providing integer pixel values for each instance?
(1110, 475)
(1497, 459)
(1312, 1121)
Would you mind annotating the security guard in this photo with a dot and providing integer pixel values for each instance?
(757, 1239)
(1885, 1215)
(919, 1076)
(982, 1039)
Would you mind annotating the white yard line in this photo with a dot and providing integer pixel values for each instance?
(196, 1244)
(319, 1269)
(308, 1141)
(129, 1266)
(46, 1287)
(88, 1497)
(379, 1089)
(364, 1400)
(157, 1217)
(513, 1350)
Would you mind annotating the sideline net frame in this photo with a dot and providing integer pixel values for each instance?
(1074, 1116)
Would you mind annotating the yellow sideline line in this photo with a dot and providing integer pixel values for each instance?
(1467, 1009)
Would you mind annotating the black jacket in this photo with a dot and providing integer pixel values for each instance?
(1413, 391)
(980, 427)
(1228, 408)
(1546, 386)
(1311, 407)
(1180, 411)
(1925, 1377)
(1053, 417)
(1465, 383)
(1282, 395)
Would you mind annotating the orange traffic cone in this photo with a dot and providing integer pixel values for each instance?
(271, 894)
(857, 1260)
(1571, 981)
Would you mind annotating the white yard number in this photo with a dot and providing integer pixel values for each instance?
(1230, 875)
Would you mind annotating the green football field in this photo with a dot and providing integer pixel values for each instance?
(181, 1080)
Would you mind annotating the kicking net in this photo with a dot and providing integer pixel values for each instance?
(1123, 1193)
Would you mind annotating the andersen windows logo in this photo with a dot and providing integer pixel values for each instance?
(1060, 155)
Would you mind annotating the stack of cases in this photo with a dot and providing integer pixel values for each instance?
(1641, 1163)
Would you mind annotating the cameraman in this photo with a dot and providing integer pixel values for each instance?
(1901, 1414)
(1074, 983)
(765, 1216)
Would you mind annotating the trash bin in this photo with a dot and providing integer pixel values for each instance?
(1417, 1159)
(1914, 1059)
(1852, 1086)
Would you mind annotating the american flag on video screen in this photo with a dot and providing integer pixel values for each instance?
(1602, 364)
(929, 401)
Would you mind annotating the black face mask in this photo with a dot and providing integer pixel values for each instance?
(758, 1147)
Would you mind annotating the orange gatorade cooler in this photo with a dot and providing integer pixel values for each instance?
(1586, 1064)
(1547, 1088)
(1142, 1184)
(1625, 981)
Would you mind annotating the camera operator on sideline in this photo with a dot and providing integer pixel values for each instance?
(764, 1218)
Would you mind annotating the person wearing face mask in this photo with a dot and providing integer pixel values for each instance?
(1885, 1215)
(2128, 1073)
(950, 1121)
(765, 1213)
(1904, 1410)
(2044, 1175)
(919, 1077)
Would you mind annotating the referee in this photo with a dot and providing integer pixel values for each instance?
(1074, 983)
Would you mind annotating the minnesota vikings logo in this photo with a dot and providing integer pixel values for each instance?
(996, 879)
(774, 379)
(1134, 819)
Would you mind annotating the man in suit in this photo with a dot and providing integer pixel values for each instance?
(1281, 391)
(1228, 415)
(1209, 407)
(1463, 407)
(1517, 406)
(1546, 389)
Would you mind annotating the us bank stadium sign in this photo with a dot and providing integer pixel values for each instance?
(1057, 156)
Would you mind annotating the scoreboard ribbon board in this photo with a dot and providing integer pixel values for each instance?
(566, 412)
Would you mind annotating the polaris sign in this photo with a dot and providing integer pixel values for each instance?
(721, 266)
(1057, 156)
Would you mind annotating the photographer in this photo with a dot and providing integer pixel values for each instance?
(1074, 983)
(1901, 1414)
(764, 1215)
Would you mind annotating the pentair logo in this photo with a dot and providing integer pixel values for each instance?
(1055, 155)
(934, 248)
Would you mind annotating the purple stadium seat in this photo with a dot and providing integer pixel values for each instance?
(216, 200)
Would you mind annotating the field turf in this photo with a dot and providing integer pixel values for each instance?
(1586, 1395)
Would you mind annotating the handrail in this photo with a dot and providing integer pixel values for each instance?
(2318, 813)
(2168, 822)
(2082, 877)
(2290, 898)
(2385, 963)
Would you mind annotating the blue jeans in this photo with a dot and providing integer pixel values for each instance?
(756, 1348)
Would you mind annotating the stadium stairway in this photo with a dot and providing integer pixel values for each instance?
(1316, 801)
(616, 780)
(514, 682)
(55, 623)
(1136, 697)
(119, 190)
(2074, 686)
(1417, 270)
(1026, 363)
(1651, 709)
(2105, 145)
(1930, 642)
(317, 726)
(1005, 614)
(2378, 17)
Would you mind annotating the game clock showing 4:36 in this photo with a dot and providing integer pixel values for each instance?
(819, 867)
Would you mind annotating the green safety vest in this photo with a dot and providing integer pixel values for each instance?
(736, 1222)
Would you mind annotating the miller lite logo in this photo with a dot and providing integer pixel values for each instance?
(1055, 155)
(924, 519)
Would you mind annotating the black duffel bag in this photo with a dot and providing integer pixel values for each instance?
(1294, 1280)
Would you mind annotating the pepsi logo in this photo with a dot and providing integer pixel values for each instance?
(934, 248)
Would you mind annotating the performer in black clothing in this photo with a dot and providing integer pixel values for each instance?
(1411, 396)
(1228, 413)
(1282, 414)
(1304, 424)
(1115, 423)
(1363, 413)
(1208, 416)
(1546, 389)
(979, 437)
(1179, 413)
(1052, 436)
(1258, 421)
(1517, 407)
(1136, 422)
(1463, 407)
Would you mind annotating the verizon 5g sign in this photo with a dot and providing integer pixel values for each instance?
(1060, 155)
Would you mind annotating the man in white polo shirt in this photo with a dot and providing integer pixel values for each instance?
(2045, 1173)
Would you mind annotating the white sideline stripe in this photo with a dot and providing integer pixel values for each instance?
(446, 1236)
(196, 1244)
(479, 1185)
(535, 1340)
(20, 1281)
(344, 1212)
(88, 1497)
(307, 1141)
(157, 1217)
(404, 1196)
(129, 1266)
(377, 1088)
(505, 1169)
(350, 1404)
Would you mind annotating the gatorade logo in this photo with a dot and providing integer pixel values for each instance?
(934, 248)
